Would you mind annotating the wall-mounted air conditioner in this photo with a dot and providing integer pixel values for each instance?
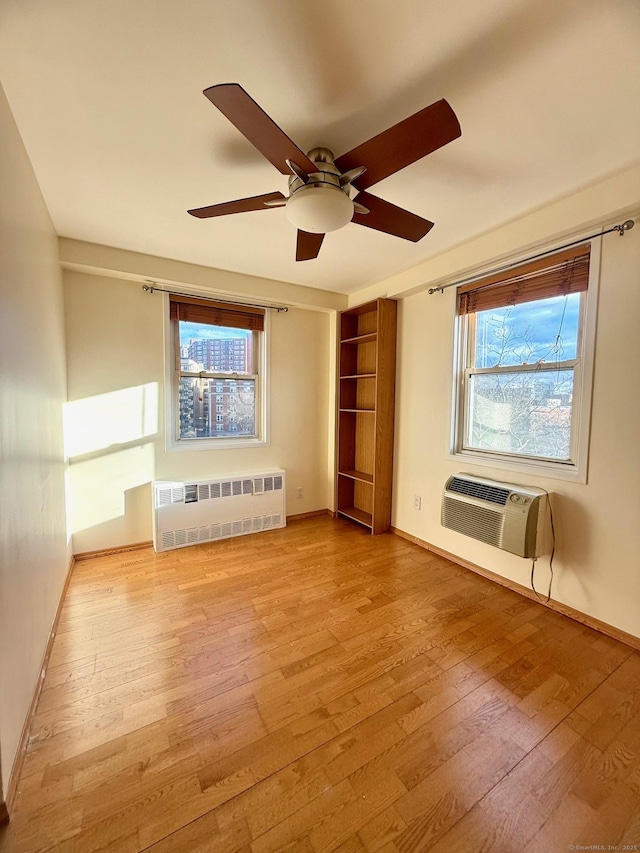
(185, 513)
(502, 514)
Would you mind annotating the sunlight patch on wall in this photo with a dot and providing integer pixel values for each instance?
(100, 487)
(118, 417)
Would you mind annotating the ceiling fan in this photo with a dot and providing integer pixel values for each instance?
(325, 193)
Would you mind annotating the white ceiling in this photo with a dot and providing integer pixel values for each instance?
(107, 95)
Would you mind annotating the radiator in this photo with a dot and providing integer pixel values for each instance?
(186, 513)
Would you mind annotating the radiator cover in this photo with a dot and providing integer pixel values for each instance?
(194, 511)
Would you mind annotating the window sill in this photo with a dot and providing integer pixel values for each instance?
(534, 467)
(206, 444)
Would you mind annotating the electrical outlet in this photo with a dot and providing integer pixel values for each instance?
(417, 502)
(299, 492)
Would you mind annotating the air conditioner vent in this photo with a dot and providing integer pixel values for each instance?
(477, 489)
(476, 521)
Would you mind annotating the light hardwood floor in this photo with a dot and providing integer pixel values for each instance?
(319, 689)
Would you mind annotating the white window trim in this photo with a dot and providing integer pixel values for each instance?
(172, 442)
(576, 471)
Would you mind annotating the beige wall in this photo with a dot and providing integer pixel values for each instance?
(34, 554)
(93, 258)
(115, 414)
(115, 356)
(597, 564)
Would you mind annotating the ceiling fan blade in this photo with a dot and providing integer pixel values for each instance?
(402, 144)
(384, 216)
(242, 205)
(308, 245)
(261, 131)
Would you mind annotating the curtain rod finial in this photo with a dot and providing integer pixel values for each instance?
(626, 226)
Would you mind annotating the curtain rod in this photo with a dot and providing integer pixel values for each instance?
(150, 287)
(625, 226)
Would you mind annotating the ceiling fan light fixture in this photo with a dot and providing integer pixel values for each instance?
(319, 209)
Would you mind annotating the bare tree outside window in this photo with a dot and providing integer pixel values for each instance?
(520, 378)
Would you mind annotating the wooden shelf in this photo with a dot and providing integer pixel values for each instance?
(361, 339)
(357, 475)
(366, 371)
(357, 394)
(356, 514)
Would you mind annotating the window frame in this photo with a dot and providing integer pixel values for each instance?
(173, 372)
(576, 468)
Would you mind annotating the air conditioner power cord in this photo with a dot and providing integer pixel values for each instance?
(553, 551)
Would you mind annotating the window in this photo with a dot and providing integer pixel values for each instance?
(208, 401)
(523, 365)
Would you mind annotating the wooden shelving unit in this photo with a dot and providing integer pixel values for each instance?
(366, 392)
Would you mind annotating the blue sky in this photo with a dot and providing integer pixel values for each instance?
(201, 330)
(533, 328)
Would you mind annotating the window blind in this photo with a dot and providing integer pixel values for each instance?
(556, 275)
(193, 310)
